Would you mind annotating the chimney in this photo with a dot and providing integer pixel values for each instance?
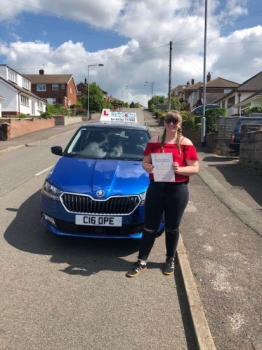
(85, 81)
(208, 77)
(188, 83)
(41, 72)
(192, 81)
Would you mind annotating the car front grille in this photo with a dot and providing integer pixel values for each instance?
(75, 203)
(122, 231)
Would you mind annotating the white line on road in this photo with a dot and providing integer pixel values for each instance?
(45, 170)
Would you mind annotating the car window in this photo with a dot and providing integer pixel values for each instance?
(247, 122)
(108, 142)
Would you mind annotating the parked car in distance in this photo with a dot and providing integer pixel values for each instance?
(235, 134)
(97, 188)
(199, 110)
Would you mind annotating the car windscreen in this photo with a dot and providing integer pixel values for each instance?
(108, 143)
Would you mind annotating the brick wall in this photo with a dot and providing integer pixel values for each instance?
(250, 155)
(16, 127)
(61, 120)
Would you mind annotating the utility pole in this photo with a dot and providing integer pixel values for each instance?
(169, 79)
(203, 121)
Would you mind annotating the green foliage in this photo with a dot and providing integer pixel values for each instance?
(22, 115)
(46, 115)
(188, 120)
(211, 118)
(57, 110)
(157, 112)
(175, 103)
(132, 105)
(155, 100)
(193, 122)
(96, 98)
(108, 105)
(255, 109)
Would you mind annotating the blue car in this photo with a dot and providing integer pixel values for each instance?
(98, 186)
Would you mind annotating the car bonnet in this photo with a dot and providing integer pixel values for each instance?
(87, 176)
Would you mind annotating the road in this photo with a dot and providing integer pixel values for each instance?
(62, 293)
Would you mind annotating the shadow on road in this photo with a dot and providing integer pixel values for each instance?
(83, 256)
(236, 176)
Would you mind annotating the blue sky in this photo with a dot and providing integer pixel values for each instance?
(131, 39)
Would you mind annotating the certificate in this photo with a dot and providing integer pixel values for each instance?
(162, 163)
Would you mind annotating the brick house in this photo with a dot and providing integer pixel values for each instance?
(82, 88)
(55, 88)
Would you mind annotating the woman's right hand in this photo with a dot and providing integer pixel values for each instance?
(148, 167)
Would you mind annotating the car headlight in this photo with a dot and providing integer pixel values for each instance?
(142, 197)
(51, 191)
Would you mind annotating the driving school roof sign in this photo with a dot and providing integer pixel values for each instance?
(123, 117)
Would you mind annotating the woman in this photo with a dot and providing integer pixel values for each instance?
(168, 197)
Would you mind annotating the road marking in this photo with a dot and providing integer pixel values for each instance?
(45, 170)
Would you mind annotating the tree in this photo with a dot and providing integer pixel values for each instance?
(96, 98)
(175, 103)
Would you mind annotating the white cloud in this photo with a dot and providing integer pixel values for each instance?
(150, 25)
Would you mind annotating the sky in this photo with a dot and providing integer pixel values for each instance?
(131, 38)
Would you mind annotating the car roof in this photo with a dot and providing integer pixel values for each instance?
(248, 118)
(119, 125)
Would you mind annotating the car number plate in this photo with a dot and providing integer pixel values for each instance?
(91, 220)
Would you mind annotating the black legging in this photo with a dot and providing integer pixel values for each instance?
(171, 199)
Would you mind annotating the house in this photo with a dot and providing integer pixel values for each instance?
(82, 88)
(247, 90)
(17, 97)
(55, 88)
(216, 88)
(252, 101)
(1, 99)
(191, 95)
(178, 91)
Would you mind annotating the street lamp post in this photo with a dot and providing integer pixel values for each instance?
(147, 92)
(152, 86)
(90, 65)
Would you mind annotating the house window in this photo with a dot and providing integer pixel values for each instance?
(223, 104)
(62, 86)
(26, 84)
(55, 87)
(12, 76)
(39, 105)
(227, 91)
(51, 101)
(70, 90)
(231, 102)
(40, 87)
(24, 100)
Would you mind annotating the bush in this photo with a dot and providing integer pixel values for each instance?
(46, 115)
(255, 109)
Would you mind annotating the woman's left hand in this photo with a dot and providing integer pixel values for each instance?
(175, 166)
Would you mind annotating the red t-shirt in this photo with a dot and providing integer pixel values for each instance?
(187, 152)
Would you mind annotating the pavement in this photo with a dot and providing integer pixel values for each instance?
(241, 207)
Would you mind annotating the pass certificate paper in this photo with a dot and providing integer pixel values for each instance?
(162, 163)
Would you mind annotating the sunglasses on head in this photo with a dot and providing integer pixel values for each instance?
(171, 120)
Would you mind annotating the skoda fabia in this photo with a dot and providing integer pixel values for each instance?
(97, 188)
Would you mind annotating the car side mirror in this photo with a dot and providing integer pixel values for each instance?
(57, 150)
